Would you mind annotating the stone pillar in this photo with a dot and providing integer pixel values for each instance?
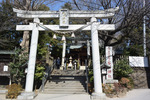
(88, 48)
(9, 80)
(109, 62)
(63, 55)
(32, 57)
(96, 61)
(28, 94)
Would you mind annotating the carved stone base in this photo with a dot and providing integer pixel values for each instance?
(111, 81)
(61, 68)
(98, 96)
(26, 96)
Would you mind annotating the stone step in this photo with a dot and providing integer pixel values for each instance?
(51, 92)
(68, 72)
(61, 86)
(69, 84)
(68, 78)
(53, 88)
(66, 82)
(64, 91)
(67, 88)
(3, 91)
(64, 85)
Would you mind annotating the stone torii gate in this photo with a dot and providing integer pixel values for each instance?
(64, 15)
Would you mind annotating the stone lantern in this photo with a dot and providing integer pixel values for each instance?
(70, 66)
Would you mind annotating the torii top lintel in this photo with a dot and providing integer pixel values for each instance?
(64, 15)
(71, 14)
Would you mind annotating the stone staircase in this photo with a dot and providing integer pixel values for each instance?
(66, 82)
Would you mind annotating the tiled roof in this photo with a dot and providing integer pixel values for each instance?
(7, 52)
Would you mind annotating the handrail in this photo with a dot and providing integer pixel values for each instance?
(47, 73)
(87, 79)
(44, 79)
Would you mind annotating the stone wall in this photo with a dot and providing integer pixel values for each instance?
(141, 77)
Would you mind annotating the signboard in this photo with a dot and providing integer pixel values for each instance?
(64, 18)
(109, 62)
(135, 61)
(5, 68)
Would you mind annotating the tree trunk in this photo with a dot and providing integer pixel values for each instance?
(25, 42)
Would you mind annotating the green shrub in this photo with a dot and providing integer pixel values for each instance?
(17, 66)
(13, 91)
(122, 69)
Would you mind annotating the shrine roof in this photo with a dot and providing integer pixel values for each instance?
(6, 52)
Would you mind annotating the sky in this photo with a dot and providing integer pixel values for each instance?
(56, 6)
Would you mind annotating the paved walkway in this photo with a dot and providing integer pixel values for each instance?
(136, 94)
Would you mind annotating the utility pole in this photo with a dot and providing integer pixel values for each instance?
(144, 32)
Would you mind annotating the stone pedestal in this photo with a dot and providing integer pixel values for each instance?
(26, 96)
(98, 96)
(111, 81)
(61, 68)
(82, 68)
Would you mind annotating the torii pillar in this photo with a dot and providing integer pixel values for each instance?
(63, 55)
(98, 93)
(29, 94)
